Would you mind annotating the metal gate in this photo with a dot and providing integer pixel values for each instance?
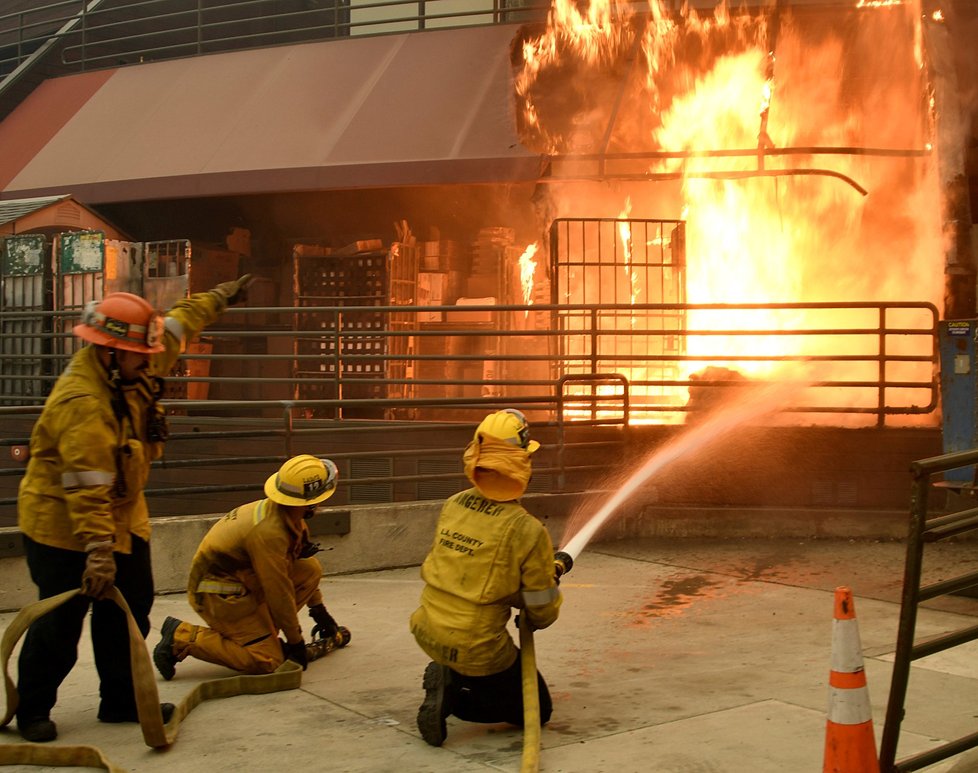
(80, 279)
(924, 530)
(616, 263)
(25, 344)
(343, 355)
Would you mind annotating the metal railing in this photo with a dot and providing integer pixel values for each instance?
(94, 34)
(924, 530)
(107, 33)
(396, 399)
(386, 362)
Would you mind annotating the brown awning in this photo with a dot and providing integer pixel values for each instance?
(413, 109)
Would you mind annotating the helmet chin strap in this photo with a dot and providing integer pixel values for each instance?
(115, 373)
(121, 410)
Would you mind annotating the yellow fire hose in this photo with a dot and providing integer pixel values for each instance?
(530, 762)
(155, 733)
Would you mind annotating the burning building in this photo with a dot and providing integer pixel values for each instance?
(795, 158)
(749, 193)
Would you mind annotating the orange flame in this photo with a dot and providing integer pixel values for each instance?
(767, 233)
(625, 234)
(528, 267)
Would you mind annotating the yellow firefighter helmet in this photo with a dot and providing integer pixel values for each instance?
(510, 426)
(302, 481)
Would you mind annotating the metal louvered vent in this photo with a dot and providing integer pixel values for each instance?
(541, 484)
(441, 488)
(362, 493)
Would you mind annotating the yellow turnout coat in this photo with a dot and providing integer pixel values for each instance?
(252, 556)
(87, 467)
(487, 558)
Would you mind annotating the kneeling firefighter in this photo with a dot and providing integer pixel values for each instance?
(253, 571)
(489, 555)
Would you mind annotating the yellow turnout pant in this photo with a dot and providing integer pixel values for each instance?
(242, 634)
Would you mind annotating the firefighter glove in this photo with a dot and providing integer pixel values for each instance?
(325, 627)
(235, 291)
(309, 549)
(99, 575)
(516, 620)
(296, 653)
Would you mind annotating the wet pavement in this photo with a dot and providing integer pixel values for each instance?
(671, 656)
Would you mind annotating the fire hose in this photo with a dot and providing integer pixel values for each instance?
(530, 760)
(287, 677)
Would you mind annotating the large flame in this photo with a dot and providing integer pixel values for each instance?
(761, 226)
(528, 266)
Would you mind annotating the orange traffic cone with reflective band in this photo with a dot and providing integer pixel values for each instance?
(850, 746)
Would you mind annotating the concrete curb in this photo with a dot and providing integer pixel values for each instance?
(386, 536)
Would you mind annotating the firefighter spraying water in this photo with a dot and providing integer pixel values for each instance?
(488, 556)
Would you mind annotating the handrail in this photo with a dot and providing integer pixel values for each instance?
(442, 377)
(146, 30)
(922, 530)
(384, 367)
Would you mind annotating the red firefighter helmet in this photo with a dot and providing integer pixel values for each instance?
(122, 321)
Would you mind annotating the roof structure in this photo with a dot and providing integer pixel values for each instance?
(15, 209)
(397, 110)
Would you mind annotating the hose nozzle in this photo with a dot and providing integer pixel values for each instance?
(563, 563)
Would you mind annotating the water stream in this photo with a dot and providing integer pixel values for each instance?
(750, 406)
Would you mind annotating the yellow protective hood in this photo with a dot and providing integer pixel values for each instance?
(499, 470)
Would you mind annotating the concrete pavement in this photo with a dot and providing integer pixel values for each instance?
(671, 655)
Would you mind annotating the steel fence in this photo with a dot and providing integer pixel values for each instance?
(93, 34)
(398, 398)
(434, 361)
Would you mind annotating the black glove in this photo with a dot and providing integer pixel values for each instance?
(296, 653)
(309, 549)
(325, 626)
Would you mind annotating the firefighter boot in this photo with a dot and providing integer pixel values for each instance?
(163, 657)
(437, 704)
(40, 730)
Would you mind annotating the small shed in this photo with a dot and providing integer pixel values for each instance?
(50, 215)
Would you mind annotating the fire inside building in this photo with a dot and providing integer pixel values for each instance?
(722, 256)
(614, 216)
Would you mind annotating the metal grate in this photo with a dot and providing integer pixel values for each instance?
(25, 277)
(621, 262)
(377, 467)
(440, 489)
(341, 280)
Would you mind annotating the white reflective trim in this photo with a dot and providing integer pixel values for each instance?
(847, 656)
(849, 706)
(82, 478)
(539, 598)
(175, 328)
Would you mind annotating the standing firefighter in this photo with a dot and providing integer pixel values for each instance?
(489, 555)
(81, 506)
(251, 574)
